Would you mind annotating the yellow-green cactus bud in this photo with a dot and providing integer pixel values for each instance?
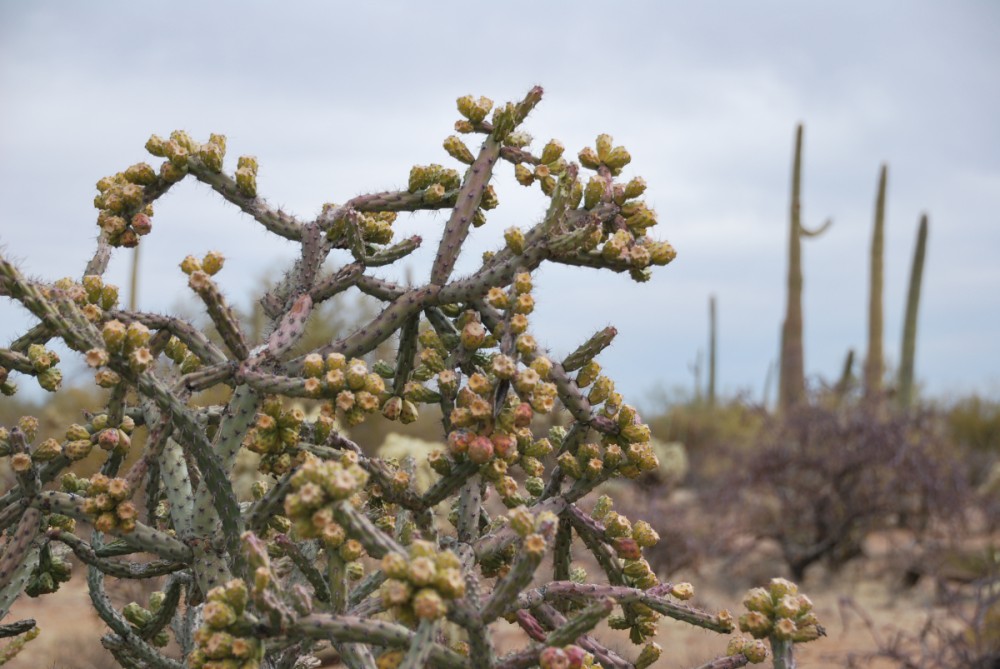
(246, 182)
(780, 587)
(523, 175)
(218, 615)
(635, 187)
(617, 159)
(211, 156)
(588, 373)
(756, 624)
(312, 366)
(514, 238)
(212, 263)
(604, 146)
(644, 534)
(457, 149)
(141, 174)
(552, 151)
(682, 591)
(648, 656)
(50, 380)
(594, 192)
(156, 145)
(47, 450)
(603, 387)
(589, 158)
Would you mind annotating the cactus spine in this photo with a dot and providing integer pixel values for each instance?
(874, 359)
(792, 380)
(909, 345)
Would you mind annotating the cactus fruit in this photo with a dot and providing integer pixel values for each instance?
(380, 555)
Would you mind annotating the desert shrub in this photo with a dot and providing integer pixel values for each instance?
(820, 480)
(335, 544)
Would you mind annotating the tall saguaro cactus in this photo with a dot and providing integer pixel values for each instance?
(909, 345)
(792, 379)
(874, 359)
(712, 344)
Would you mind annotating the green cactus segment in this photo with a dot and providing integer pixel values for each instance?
(376, 542)
(533, 549)
(420, 649)
(20, 557)
(291, 328)
(117, 568)
(469, 198)
(909, 345)
(589, 349)
(213, 475)
(238, 420)
(222, 316)
(874, 358)
(580, 624)
(275, 220)
(177, 488)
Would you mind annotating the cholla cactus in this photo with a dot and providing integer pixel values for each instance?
(334, 544)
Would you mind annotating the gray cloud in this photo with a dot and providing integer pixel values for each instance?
(342, 98)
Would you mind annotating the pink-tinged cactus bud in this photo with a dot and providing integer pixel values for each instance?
(504, 446)
(393, 407)
(457, 149)
(171, 172)
(523, 414)
(577, 656)
(480, 450)
(459, 440)
(627, 548)
(141, 224)
(108, 438)
(409, 412)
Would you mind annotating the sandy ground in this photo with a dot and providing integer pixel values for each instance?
(71, 629)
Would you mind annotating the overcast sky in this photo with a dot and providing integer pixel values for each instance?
(337, 99)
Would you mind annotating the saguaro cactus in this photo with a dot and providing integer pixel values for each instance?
(874, 359)
(711, 349)
(791, 378)
(909, 345)
(334, 544)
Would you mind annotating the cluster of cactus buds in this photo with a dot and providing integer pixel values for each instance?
(124, 208)
(420, 585)
(130, 342)
(52, 570)
(550, 165)
(316, 486)
(275, 436)
(780, 612)
(43, 362)
(356, 392)
(353, 535)
(566, 657)
(106, 500)
(141, 618)
(226, 638)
